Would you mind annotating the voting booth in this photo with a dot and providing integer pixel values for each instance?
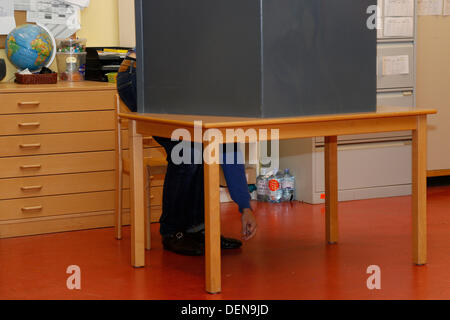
(255, 58)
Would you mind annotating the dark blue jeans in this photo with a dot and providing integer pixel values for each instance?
(183, 193)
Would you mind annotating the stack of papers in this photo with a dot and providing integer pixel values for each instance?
(60, 17)
(7, 21)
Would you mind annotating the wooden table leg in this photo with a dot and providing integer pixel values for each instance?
(331, 189)
(212, 226)
(419, 191)
(137, 196)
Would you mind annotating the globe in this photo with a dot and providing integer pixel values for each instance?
(29, 46)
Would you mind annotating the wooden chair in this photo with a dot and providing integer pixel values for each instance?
(123, 167)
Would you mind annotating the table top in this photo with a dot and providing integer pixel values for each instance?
(230, 122)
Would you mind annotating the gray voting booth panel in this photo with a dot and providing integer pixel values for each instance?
(255, 58)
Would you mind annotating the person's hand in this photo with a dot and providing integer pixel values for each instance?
(249, 224)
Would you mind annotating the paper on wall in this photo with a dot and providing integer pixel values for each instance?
(22, 5)
(79, 3)
(398, 8)
(398, 27)
(7, 20)
(60, 17)
(380, 28)
(380, 19)
(395, 65)
(446, 7)
(430, 7)
(380, 7)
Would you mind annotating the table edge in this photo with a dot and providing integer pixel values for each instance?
(277, 121)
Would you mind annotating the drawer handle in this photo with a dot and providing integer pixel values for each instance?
(29, 104)
(28, 209)
(30, 124)
(152, 178)
(152, 197)
(32, 188)
(34, 166)
(30, 146)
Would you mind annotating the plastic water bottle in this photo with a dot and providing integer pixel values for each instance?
(276, 187)
(288, 186)
(262, 186)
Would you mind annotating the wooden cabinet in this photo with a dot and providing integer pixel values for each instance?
(57, 159)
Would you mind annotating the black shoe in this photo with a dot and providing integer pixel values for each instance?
(184, 244)
(225, 243)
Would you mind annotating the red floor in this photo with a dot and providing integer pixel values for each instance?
(288, 259)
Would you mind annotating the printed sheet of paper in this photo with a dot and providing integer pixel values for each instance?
(380, 19)
(7, 21)
(398, 8)
(22, 5)
(398, 27)
(60, 17)
(380, 9)
(430, 7)
(395, 65)
(446, 7)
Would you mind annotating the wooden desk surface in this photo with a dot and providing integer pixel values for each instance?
(230, 122)
(61, 86)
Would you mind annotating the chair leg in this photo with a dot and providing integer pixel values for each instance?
(147, 220)
(118, 203)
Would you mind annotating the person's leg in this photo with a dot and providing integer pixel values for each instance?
(183, 204)
(127, 89)
(183, 198)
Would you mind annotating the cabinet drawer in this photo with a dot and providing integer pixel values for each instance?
(13, 146)
(25, 124)
(150, 152)
(391, 58)
(156, 195)
(56, 164)
(157, 176)
(149, 142)
(83, 221)
(368, 165)
(57, 101)
(403, 98)
(58, 205)
(56, 185)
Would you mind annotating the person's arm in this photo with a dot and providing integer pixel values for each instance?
(234, 173)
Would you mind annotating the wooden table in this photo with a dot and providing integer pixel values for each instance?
(385, 119)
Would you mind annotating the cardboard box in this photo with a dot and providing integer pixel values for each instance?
(250, 173)
(225, 195)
